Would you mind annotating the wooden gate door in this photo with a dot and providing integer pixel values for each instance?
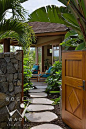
(73, 94)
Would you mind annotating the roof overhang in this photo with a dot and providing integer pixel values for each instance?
(14, 42)
(51, 33)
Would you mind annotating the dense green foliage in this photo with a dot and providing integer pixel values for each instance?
(15, 27)
(27, 75)
(72, 39)
(54, 80)
(29, 58)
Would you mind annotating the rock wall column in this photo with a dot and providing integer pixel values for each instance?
(10, 86)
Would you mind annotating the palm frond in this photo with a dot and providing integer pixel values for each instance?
(17, 10)
(13, 25)
(13, 28)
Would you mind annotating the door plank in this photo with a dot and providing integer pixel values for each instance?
(75, 82)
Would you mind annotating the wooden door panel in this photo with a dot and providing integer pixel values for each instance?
(74, 68)
(73, 55)
(77, 69)
(69, 65)
(72, 120)
(73, 74)
(74, 101)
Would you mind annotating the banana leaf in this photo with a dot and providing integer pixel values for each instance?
(54, 14)
(81, 46)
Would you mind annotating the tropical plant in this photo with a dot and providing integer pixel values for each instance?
(56, 100)
(72, 40)
(15, 26)
(73, 15)
(78, 9)
(27, 75)
(54, 80)
(28, 64)
(46, 63)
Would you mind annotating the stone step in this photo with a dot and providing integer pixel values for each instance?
(36, 90)
(39, 107)
(38, 95)
(41, 87)
(47, 126)
(39, 83)
(41, 117)
(41, 101)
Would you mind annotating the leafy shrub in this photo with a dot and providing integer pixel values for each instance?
(29, 59)
(54, 80)
(27, 75)
(74, 40)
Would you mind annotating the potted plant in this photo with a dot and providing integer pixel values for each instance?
(46, 64)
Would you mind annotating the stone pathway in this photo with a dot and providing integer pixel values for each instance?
(37, 90)
(38, 95)
(40, 101)
(40, 109)
(47, 126)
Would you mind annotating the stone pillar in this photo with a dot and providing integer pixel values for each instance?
(10, 88)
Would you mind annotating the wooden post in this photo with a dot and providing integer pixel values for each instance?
(37, 55)
(6, 45)
(60, 52)
(52, 54)
(42, 58)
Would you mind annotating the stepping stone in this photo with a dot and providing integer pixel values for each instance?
(38, 95)
(41, 101)
(39, 107)
(36, 90)
(39, 84)
(41, 117)
(41, 87)
(47, 126)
